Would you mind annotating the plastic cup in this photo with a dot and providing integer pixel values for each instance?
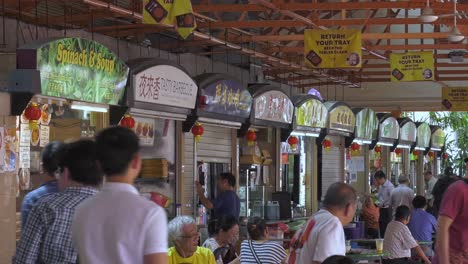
(348, 246)
(379, 245)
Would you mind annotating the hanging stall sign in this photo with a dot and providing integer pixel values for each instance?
(342, 119)
(227, 97)
(412, 66)
(437, 139)
(424, 136)
(76, 69)
(274, 106)
(311, 113)
(455, 98)
(367, 125)
(389, 128)
(165, 85)
(408, 132)
(333, 48)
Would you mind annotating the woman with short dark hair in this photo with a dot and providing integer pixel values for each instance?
(259, 249)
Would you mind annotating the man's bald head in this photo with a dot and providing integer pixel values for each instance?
(339, 195)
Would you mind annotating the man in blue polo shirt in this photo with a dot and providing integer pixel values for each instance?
(422, 224)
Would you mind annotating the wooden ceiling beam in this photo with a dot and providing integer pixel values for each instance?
(331, 6)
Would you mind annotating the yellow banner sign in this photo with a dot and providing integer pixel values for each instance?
(412, 66)
(177, 13)
(333, 48)
(455, 98)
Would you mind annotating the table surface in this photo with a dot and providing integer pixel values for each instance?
(366, 254)
(373, 241)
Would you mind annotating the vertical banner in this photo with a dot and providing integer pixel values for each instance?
(412, 66)
(177, 13)
(333, 48)
(455, 98)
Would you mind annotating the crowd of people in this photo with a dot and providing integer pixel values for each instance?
(90, 212)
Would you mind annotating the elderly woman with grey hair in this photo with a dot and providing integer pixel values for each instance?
(183, 236)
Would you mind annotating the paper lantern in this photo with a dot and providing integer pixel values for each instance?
(398, 151)
(293, 141)
(251, 136)
(355, 147)
(445, 156)
(33, 114)
(430, 155)
(416, 154)
(127, 121)
(378, 149)
(197, 131)
(327, 144)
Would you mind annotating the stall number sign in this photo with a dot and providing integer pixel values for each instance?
(389, 128)
(342, 119)
(412, 66)
(165, 85)
(312, 113)
(455, 98)
(227, 97)
(333, 48)
(274, 106)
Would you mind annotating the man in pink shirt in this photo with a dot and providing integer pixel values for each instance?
(452, 236)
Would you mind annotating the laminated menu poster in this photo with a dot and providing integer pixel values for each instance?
(11, 148)
(144, 128)
(44, 136)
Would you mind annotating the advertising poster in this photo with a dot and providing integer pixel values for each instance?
(25, 157)
(172, 13)
(144, 128)
(44, 136)
(412, 66)
(455, 98)
(333, 48)
(25, 135)
(11, 145)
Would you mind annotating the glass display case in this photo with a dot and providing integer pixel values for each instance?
(253, 190)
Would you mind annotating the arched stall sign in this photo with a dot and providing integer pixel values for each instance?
(408, 133)
(70, 68)
(341, 119)
(222, 101)
(437, 138)
(389, 130)
(423, 138)
(310, 116)
(271, 108)
(366, 127)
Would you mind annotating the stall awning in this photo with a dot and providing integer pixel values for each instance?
(71, 68)
(160, 88)
(423, 138)
(437, 138)
(310, 115)
(389, 130)
(222, 101)
(367, 125)
(408, 132)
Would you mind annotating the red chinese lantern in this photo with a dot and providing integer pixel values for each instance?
(416, 154)
(127, 121)
(378, 149)
(398, 151)
(355, 147)
(251, 136)
(33, 114)
(327, 144)
(293, 141)
(430, 155)
(197, 131)
(445, 156)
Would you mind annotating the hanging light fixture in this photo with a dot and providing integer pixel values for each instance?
(427, 14)
(398, 151)
(455, 34)
(327, 144)
(33, 114)
(416, 154)
(293, 141)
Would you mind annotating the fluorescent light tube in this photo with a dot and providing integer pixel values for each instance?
(89, 107)
(385, 144)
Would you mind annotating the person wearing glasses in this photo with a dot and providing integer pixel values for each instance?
(183, 235)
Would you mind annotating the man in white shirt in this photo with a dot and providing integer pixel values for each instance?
(384, 195)
(402, 194)
(323, 234)
(398, 240)
(117, 225)
(430, 182)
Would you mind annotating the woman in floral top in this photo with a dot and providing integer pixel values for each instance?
(370, 215)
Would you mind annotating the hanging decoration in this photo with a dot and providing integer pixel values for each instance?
(127, 121)
(416, 154)
(251, 137)
(33, 114)
(377, 150)
(398, 152)
(355, 147)
(430, 155)
(445, 156)
(327, 144)
(293, 141)
(197, 131)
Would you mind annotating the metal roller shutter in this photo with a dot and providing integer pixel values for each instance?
(333, 163)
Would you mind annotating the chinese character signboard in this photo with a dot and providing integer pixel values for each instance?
(312, 113)
(165, 85)
(342, 119)
(412, 66)
(438, 139)
(226, 97)
(367, 124)
(424, 136)
(333, 48)
(455, 98)
(77, 69)
(274, 106)
(389, 128)
(408, 132)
